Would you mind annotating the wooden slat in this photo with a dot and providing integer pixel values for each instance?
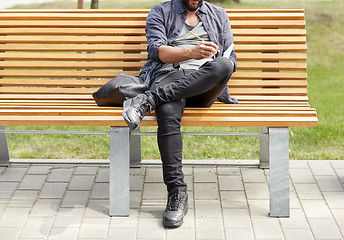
(187, 113)
(264, 98)
(217, 105)
(73, 24)
(270, 48)
(135, 65)
(268, 40)
(72, 56)
(139, 31)
(270, 57)
(268, 24)
(268, 32)
(86, 17)
(52, 83)
(42, 90)
(74, 31)
(238, 91)
(74, 39)
(230, 107)
(138, 16)
(298, 66)
(241, 98)
(107, 74)
(111, 11)
(135, 24)
(65, 74)
(141, 57)
(75, 47)
(70, 65)
(269, 91)
(34, 97)
(135, 39)
(266, 83)
(151, 121)
(142, 47)
(268, 75)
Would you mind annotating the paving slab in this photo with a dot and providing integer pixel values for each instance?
(225, 202)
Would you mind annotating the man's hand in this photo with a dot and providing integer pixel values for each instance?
(204, 50)
(169, 54)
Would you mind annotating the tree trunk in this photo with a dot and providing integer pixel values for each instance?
(80, 4)
(94, 4)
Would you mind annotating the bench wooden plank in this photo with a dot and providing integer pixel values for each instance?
(111, 74)
(141, 57)
(74, 56)
(189, 113)
(99, 83)
(140, 16)
(142, 47)
(111, 11)
(69, 65)
(138, 31)
(135, 65)
(75, 47)
(141, 24)
(77, 91)
(150, 121)
(270, 48)
(137, 39)
(92, 106)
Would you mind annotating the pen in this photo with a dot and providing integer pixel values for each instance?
(200, 38)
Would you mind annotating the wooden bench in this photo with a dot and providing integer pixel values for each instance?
(51, 61)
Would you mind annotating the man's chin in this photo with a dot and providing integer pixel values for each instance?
(195, 4)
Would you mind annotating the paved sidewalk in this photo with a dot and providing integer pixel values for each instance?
(71, 202)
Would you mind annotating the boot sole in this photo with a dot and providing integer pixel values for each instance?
(126, 105)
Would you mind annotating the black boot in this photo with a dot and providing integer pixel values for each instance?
(176, 209)
(136, 108)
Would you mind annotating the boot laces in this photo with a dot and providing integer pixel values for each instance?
(144, 108)
(175, 201)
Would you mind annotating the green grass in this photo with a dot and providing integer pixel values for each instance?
(325, 39)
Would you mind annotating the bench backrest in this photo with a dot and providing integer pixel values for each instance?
(74, 52)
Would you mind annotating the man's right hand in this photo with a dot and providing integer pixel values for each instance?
(170, 54)
(204, 50)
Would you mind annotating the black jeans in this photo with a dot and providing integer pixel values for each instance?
(194, 88)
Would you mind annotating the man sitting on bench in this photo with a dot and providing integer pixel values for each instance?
(190, 60)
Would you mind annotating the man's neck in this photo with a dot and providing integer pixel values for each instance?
(192, 18)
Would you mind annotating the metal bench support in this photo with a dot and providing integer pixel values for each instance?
(119, 171)
(135, 149)
(278, 150)
(4, 154)
(264, 149)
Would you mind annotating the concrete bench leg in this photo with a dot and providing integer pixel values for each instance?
(4, 154)
(279, 172)
(119, 171)
(135, 149)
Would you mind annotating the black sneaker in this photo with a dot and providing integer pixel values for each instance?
(176, 209)
(136, 108)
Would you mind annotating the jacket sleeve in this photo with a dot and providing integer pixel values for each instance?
(155, 33)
